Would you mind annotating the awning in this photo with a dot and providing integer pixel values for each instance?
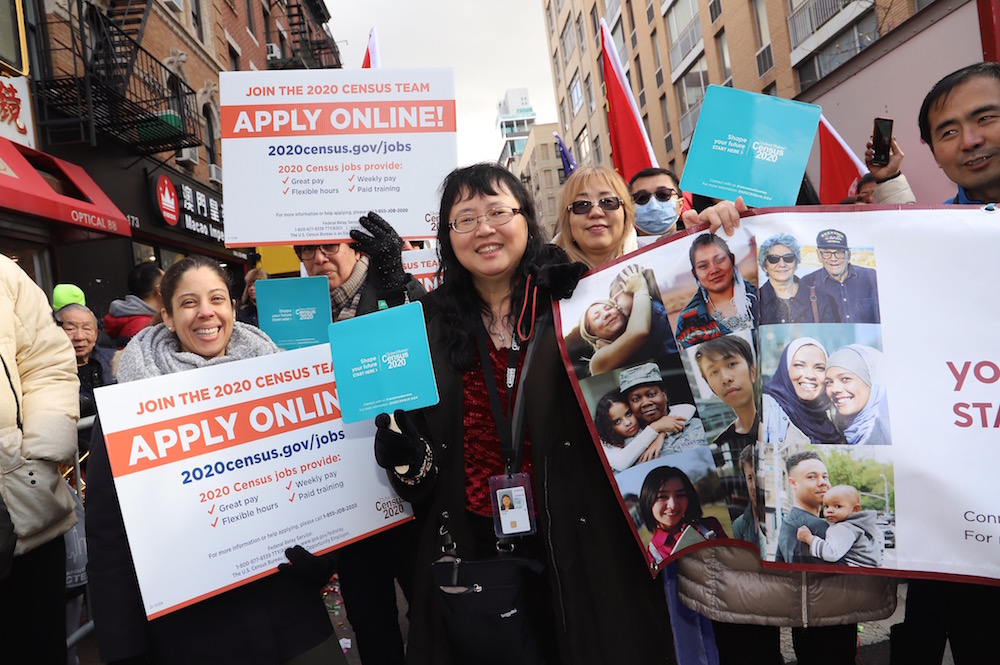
(28, 182)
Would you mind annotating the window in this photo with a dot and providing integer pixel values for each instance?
(562, 114)
(566, 41)
(691, 86)
(234, 60)
(631, 21)
(668, 137)
(595, 24)
(196, 20)
(206, 113)
(679, 17)
(267, 26)
(618, 37)
(575, 93)
(649, 11)
(588, 88)
(249, 7)
(760, 23)
(582, 146)
(548, 18)
(657, 62)
(555, 66)
(638, 77)
(543, 151)
(581, 35)
(645, 123)
(727, 70)
(771, 90)
(598, 159)
(176, 91)
(548, 177)
(839, 50)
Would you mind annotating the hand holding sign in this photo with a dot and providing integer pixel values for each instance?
(385, 248)
(399, 447)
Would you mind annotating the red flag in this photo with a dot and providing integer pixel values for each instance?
(839, 168)
(372, 60)
(630, 147)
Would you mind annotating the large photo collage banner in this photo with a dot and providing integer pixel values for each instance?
(813, 387)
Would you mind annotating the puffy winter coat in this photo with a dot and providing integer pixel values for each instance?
(38, 411)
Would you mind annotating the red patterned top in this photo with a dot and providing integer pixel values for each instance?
(482, 441)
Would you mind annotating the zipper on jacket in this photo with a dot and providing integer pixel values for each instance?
(548, 538)
(805, 601)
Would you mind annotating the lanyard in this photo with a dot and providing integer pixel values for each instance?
(502, 420)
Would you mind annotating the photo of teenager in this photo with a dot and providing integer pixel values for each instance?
(822, 384)
(681, 502)
(750, 525)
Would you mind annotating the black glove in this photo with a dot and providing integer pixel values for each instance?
(312, 569)
(404, 448)
(385, 249)
(560, 279)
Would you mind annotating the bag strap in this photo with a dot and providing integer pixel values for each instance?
(812, 301)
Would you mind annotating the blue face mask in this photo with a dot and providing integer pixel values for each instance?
(656, 218)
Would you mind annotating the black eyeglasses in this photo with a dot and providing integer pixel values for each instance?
(607, 204)
(308, 252)
(662, 194)
(832, 253)
(774, 258)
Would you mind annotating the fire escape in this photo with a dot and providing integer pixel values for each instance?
(100, 80)
(309, 50)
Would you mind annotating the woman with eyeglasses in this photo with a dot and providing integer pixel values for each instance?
(596, 221)
(782, 298)
(493, 345)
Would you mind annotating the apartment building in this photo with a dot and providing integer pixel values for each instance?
(672, 50)
(129, 92)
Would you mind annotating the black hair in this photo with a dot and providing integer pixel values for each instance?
(705, 240)
(174, 273)
(655, 171)
(797, 458)
(143, 278)
(939, 93)
(461, 304)
(651, 487)
(602, 419)
(725, 346)
(865, 179)
(807, 193)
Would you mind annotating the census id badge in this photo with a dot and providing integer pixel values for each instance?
(513, 509)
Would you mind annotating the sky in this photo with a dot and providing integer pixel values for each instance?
(492, 47)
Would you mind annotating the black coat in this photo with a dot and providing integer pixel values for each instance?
(609, 609)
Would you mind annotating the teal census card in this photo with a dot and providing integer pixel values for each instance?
(294, 312)
(750, 145)
(382, 362)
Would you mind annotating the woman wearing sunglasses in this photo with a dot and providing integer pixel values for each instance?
(781, 299)
(596, 221)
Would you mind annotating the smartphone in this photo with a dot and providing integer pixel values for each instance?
(881, 140)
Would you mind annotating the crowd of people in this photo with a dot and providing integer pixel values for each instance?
(508, 411)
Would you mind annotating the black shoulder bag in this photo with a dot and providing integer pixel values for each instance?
(483, 603)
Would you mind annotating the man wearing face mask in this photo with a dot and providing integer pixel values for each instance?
(658, 201)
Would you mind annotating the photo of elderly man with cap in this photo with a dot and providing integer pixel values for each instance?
(853, 288)
(644, 390)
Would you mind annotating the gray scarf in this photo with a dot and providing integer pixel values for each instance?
(156, 351)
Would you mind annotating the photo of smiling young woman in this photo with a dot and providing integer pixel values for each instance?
(821, 384)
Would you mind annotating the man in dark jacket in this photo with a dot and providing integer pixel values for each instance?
(367, 275)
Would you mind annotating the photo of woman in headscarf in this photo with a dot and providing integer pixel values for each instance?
(630, 325)
(857, 394)
(724, 301)
(795, 405)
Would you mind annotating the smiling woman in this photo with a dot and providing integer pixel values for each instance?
(596, 218)
(794, 403)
